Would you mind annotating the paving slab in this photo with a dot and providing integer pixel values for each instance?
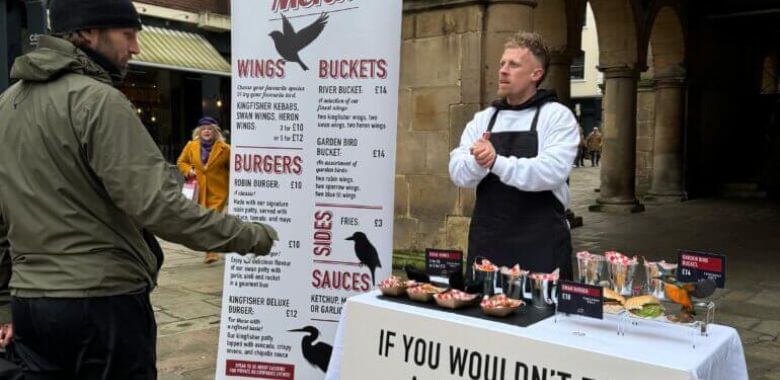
(769, 328)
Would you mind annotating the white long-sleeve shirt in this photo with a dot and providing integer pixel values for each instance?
(559, 138)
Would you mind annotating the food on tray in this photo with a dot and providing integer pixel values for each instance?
(613, 302)
(422, 292)
(680, 294)
(485, 265)
(681, 317)
(500, 305)
(425, 288)
(394, 286)
(454, 298)
(500, 300)
(647, 307)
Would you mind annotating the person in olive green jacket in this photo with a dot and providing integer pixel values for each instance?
(81, 182)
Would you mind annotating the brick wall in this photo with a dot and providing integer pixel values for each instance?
(214, 6)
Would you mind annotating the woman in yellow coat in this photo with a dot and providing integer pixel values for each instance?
(207, 158)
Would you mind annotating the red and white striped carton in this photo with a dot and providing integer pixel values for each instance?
(584, 255)
(546, 276)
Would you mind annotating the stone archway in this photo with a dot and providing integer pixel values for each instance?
(668, 59)
(620, 61)
(558, 23)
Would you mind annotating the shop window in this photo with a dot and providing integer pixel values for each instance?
(577, 69)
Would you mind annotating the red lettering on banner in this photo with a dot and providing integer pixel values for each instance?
(339, 280)
(260, 68)
(323, 237)
(276, 164)
(259, 370)
(353, 69)
(285, 5)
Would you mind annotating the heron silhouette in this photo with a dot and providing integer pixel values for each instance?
(288, 42)
(318, 354)
(366, 253)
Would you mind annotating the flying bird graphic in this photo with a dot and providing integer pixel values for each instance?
(366, 253)
(288, 42)
(318, 354)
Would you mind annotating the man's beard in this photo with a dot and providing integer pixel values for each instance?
(106, 49)
(502, 93)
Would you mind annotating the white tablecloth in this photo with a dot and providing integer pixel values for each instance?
(716, 356)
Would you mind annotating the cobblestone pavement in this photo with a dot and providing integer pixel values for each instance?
(187, 301)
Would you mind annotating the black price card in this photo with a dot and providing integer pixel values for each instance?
(693, 266)
(581, 299)
(443, 262)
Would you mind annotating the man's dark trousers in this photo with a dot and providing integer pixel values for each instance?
(99, 338)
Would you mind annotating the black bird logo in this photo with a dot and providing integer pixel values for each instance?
(288, 42)
(366, 253)
(317, 354)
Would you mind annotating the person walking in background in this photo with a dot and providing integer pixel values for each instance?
(206, 158)
(594, 142)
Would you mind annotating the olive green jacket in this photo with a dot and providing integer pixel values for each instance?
(80, 176)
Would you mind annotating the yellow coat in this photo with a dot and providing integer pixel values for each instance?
(213, 178)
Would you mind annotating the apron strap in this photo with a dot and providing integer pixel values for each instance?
(536, 119)
(493, 121)
(533, 123)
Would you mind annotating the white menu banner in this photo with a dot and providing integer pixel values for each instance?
(315, 86)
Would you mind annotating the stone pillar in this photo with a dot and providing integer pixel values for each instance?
(618, 159)
(645, 126)
(667, 181)
(558, 74)
(503, 18)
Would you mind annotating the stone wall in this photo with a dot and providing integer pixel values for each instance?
(441, 80)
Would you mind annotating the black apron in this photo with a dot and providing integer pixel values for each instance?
(510, 226)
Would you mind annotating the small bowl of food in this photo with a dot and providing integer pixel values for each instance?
(500, 306)
(395, 286)
(423, 292)
(454, 299)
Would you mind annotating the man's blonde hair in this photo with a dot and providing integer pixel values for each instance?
(535, 44)
(214, 128)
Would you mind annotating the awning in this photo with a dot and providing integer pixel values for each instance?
(177, 50)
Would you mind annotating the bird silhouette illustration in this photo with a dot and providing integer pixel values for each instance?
(318, 354)
(288, 42)
(366, 253)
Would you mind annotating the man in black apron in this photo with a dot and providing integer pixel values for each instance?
(518, 154)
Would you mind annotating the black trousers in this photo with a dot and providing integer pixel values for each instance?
(595, 157)
(580, 159)
(100, 338)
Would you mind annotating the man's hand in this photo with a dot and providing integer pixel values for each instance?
(6, 335)
(483, 151)
(191, 174)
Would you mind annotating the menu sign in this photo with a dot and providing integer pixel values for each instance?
(440, 262)
(694, 266)
(315, 99)
(581, 299)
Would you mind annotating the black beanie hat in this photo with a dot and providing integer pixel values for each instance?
(71, 15)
